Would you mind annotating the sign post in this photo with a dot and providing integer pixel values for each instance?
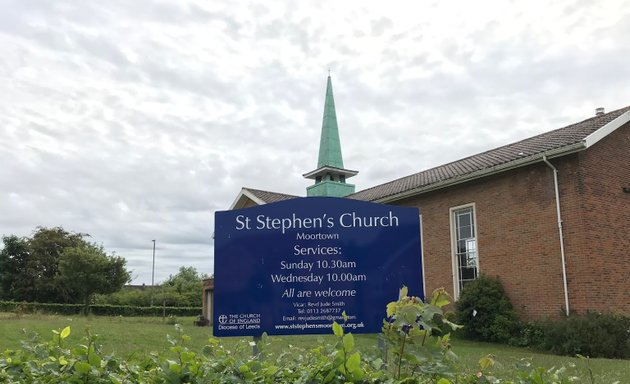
(295, 266)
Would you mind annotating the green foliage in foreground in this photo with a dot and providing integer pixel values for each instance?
(335, 360)
(58, 361)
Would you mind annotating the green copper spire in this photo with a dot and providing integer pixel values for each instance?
(329, 144)
(330, 175)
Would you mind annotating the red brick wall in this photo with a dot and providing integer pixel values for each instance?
(599, 262)
(517, 231)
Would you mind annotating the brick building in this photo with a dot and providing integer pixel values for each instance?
(548, 215)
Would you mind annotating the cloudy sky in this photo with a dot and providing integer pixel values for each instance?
(137, 120)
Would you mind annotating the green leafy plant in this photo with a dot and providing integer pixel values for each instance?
(349, 361)
(420, 349)
(413, 330)
(526, 374)
(53, 361)
(339, 363)
(482, 376)
(486, 312)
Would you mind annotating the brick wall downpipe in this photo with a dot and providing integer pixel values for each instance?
(560, 232)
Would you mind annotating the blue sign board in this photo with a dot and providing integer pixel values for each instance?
(295, 266)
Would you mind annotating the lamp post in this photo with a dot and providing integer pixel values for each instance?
(153, 273)
(153, 268)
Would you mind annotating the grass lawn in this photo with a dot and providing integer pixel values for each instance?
(604, 370)
(134, 338)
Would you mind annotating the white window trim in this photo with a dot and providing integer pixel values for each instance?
(451, 220)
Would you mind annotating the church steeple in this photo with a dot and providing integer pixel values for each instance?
(329, 144)
(330, 175)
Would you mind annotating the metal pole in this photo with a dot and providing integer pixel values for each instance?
(255, 347)
(153, 273)
(153, 268)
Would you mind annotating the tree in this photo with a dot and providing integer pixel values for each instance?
(13, 258)
(183, 288)
(86, 270)
(30, 268)
(34, 276)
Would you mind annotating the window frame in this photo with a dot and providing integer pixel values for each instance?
(454, 257)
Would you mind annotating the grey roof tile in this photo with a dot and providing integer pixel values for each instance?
(270, 197)
(553, 140)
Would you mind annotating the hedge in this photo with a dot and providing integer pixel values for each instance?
(97, 309)
(591, 334)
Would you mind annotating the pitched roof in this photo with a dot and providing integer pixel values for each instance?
(247, 196)
(572, 138)
(269, 197)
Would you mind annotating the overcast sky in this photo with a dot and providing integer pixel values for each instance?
(137, 120)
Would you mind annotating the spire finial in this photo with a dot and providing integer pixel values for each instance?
(328, 71)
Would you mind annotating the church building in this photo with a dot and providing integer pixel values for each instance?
(547, 215)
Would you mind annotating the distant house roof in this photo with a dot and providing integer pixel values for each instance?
(572, 138)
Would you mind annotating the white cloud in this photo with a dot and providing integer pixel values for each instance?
(135, 121)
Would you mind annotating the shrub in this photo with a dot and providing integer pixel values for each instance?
(528, 335)
(485, 311)
(591, 334)
(99, 310)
